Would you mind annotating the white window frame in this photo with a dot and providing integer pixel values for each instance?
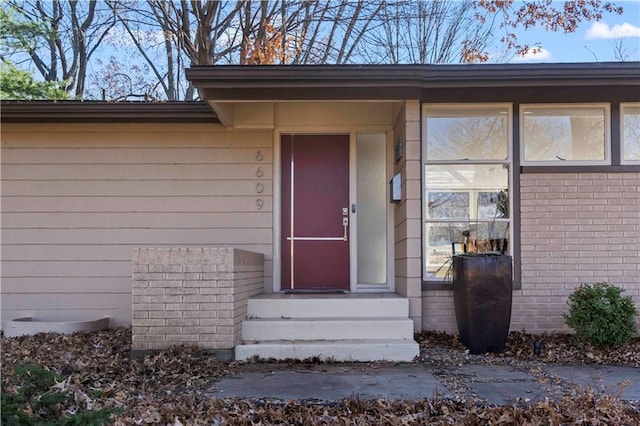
(426, 162)
(622, 144)
(586, 106)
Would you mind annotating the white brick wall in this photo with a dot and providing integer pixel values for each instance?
(575, 228)
(439, 313)
(407, 229)
(192, 295)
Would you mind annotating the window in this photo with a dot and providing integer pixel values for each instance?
(466, 182)
(630, 114)
(564, 134)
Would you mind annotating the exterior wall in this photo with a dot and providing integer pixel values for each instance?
(332, 118)
(339, 116)
(575, 228)
(439, 313)
(408, 227)
(78, 199)
(192, 295)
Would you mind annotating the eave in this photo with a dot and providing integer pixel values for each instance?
(105, 112)
(394, 82)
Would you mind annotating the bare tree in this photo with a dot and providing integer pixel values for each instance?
(153, 41)
(622, 52)
(315, 31)
(426, 32)
(73, 31)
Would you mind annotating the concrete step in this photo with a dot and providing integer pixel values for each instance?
(327, 328)
(338, 350)
(318, 306)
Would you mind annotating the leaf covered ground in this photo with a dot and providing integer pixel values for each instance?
(557, 348)
(173, 386)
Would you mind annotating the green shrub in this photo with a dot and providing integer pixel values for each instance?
(600, 315)
(28, 398)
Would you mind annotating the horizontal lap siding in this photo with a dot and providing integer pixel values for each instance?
(76, 201)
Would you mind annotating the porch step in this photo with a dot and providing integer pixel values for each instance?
(318, 306)
(336, 350)
(344, 327)
(335, 328)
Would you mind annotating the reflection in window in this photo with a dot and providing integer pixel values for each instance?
(448, 205)
(466, 183)
(631, 133)
(556, 134)
(463, 134)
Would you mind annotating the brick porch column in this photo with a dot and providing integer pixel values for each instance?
(194, 295)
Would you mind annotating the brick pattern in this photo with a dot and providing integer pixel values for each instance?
(439, 313)
(575, 228)
(195, 295)
(407, 226)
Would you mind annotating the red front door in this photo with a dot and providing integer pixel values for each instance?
(315, 194)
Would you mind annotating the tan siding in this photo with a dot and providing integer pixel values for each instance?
(68, 285)
(160, 172)
(137, 136)
(63, 301)
(200, 188)
(77, 200)
(159, 220)
(65, 269)
(139, 236)
(120, 156)
(112, 252)
(335, 114)
(134, 204)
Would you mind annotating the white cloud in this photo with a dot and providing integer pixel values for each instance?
(601, 30)
(533, 55)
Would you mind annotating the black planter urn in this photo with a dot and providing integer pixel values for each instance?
(482, 295)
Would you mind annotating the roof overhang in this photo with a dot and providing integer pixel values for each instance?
(224, 87)
(222, 83)
(105, 112)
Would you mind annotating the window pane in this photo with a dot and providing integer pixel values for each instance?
(466, 191)
(564, 134)
(494, 204)
(446, 239)
(438, 246)
(372, 208)
(466, 134)
(448, 205)
(631, 133)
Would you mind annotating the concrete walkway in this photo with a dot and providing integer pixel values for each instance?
(496, 384)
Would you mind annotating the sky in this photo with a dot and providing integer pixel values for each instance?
(592, 42)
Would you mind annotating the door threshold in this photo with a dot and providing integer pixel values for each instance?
(315, 291)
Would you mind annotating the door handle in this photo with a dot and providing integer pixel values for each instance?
(345, 223)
